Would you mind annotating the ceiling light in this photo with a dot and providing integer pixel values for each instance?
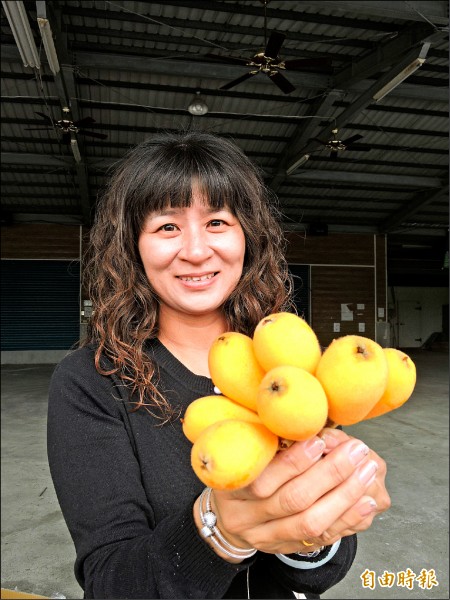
(49, 45)
(198, 106)
(20, 27)
(298, 163)
(404, 74)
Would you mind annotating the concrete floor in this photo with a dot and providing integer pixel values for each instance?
(37, 552)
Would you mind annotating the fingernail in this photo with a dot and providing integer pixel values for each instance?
(367, 472)
(314, 448)
(367, 508)
(357, 453)
(329, 440)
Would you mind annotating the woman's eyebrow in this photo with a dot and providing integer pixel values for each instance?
(170, 212)
(165, 212)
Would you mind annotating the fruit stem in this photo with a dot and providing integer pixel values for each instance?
(284, 444)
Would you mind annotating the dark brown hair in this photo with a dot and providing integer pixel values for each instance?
(157, 173)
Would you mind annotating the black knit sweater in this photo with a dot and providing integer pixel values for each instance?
(126, 489)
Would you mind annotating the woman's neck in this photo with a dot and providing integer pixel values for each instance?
(189, 338)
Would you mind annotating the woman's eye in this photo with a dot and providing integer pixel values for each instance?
(168, 227)
(217, 223)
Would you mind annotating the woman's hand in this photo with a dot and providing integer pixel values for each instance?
(317, 491)
(377, 490)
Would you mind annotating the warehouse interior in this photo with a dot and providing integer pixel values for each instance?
(343, 105)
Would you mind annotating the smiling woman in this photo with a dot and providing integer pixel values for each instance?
(184, 205)
(186, 246)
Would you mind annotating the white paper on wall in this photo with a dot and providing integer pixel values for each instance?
(346, 313)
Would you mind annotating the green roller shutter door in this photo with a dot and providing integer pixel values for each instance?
(39, 304)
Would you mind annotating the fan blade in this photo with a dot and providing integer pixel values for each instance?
(85, 122)
(281, 81)
(274, 44)
(45, 117)
(351, 140)
(100, 136)
(227, 86)
(229, 60)
(333, 155)
(317, 140)
(314, 64)
(38, 128)
(358, 148)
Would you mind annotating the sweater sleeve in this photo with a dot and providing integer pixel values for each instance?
(121, 551)
(319, 580)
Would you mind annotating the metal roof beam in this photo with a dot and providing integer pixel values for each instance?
(222, 7)
(20, 158)
(434, 10)
(360, 103)
(301, 136)
(197, 68)
(204, 70)
(421, 200)
(383, 56)
(67, 89)
(41, 12)
(28, 158)
(232, 47)
(374, 179)
(207, 70)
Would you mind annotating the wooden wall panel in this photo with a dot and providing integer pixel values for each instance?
(41, 241)
(332, 249)
(332, 287)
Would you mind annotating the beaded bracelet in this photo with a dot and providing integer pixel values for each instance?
(209, 530)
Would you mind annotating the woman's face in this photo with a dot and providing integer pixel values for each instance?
(193, 257)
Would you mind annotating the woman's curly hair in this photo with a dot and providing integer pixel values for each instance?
(155, 174)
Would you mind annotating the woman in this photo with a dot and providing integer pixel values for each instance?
(185, 246)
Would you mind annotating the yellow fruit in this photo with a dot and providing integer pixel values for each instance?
(400, 383)
(286, 339)
(234, 368)
(292, 403)
(208, 410)
(231, 454)
(353, 372)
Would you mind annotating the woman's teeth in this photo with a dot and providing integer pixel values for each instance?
(202, 278)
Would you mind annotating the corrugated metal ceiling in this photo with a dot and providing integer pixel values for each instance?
(135, 67)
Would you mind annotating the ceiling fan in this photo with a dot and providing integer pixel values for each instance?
(67, 127)
(334, 145)
(268, 62)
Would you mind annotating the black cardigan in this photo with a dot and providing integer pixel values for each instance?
(126, 489)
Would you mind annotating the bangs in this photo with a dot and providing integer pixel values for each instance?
(173, 182)
(160, 174)
(177, 192)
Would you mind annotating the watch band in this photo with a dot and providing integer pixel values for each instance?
(300, 563)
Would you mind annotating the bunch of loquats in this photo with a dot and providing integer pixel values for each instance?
(279, 387)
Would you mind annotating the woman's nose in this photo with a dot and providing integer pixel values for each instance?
(195, 246)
